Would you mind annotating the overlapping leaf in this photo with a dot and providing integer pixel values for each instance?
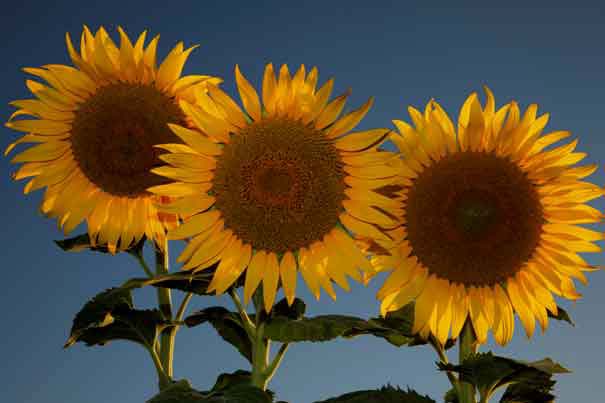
(228, 325)
(526, 380)
(109, 316)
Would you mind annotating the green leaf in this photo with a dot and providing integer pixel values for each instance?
(289, 326)
(225, 381)
(294, 311)
(110, 316)
(319, 328)
(179, 392)
(561, 315)
(189, 282)
(182, 392)
(488, 373)
(82, 242)
(228, 325)
(396, 327)
(451, 396)
(386, 394)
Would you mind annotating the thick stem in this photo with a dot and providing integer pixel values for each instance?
(165, 303)
(260, 352)
(467, 347)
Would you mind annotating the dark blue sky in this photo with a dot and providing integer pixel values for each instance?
(400, 52)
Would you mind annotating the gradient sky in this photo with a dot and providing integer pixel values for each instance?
(400, 52)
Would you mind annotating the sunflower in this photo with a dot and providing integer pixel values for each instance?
(278, 188)
(489, 226)
(96, 125)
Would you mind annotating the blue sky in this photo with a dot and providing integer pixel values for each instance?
(400, 52)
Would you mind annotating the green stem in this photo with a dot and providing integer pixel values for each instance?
(259, 358)
(165, 302)
(181, 312)
(249, 326)
(144, 265)
(163, 379)
(467, 347)
(272, 368)
(443, 357)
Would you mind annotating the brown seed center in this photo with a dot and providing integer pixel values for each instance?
(280, 185)
(473, 218)
(114, 132)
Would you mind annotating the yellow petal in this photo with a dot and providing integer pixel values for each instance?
(362, 228)
(287, 271)
(360, 141)
(42, 127)
(233, 111)
(349, 121)
(48, 151)
(248, 95)
(195, 225)
(180, 189)
(254, 274)
(187, 205)
(331, 111)
(236, 269)
(270, 280)
(209, 252)
(269, 88)
(408, 292)
(171, 68)
(189, 161)
(478, 318)
(368, 214)
(305, 264)
(196, 140)
(521, 307)
(220, 280)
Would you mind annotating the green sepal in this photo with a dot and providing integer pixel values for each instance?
(196, 283)
(82, 242)
(386, 394)
(182, 392)
(561, 315)
(228, 325)
(110, 315)
(488, 373)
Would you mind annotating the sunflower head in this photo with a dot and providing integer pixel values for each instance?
(279, 186)
(96, 124)
(490, 221)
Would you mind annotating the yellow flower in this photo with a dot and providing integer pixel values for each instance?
(96, 125)
(278, 189)
(490, 221)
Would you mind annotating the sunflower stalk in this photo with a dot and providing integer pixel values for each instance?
(443, 358)
(167, 335)
(467, 346)
(249, 326)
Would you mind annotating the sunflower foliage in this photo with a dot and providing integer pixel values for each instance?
(525, 382)
(229, 388)
(82, 242)
(196, 283)
(386, 394)
(111, 315)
